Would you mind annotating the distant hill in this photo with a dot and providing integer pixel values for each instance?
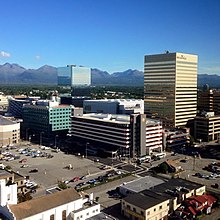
(16, 74)
(128, 77)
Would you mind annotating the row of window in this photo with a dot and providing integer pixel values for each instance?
(81, 216)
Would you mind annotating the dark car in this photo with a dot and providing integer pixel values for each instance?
(183, 161)
(82, 177)
(33, 171)
(79, 185)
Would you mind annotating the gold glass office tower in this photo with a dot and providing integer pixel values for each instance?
(170, 87)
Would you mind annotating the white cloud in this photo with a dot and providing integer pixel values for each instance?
(210, 70)
(5, 54)
(37, 57)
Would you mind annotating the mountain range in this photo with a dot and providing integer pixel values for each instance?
(16, 74)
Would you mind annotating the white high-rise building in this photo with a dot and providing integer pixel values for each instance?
(170, 87)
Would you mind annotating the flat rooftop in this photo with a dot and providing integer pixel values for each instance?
(102, 216)
(115, 100)
(142, 183)
(5, 121)
(122, 119)
(114, 118)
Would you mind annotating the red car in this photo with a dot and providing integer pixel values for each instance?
(76, 179)
(23, 160)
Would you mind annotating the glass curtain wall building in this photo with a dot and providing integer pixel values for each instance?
(170, 87)
(74, 76)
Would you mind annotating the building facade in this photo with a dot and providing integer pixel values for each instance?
(114, 106)
(63, 205)
(158, 201)
(209, 101)
(9, 131)
(207, 127)
(132, 136)
(170, 87)
(51, 121)
(73, 75)
(15, 107)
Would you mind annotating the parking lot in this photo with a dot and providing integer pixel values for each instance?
(50, 170)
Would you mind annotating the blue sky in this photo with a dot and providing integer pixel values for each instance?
(112, 35)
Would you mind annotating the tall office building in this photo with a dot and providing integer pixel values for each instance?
(73, 75)
(170, 87)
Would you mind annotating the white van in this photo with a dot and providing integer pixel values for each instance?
(161, 155)
(146, 158)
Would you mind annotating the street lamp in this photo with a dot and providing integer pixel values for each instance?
(27, 129)
(55, 143)
(41, 137)
(86, 148)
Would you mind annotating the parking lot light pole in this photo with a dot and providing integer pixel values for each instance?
(27, 133)
(41, 137)
(86, 148)
(56, 141)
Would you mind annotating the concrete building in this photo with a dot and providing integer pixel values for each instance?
(15, 107)
(52, 120)
(3, 103)
(207, 127)
(11, 178)
(72, 100)
(176, 138)
(159, 200)
(66, 204)
(170, 87)
(132, 136)
(9, 131)
(209, 101)
(114, 106)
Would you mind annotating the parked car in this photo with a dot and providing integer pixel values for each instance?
(24, 165)
(80, 185)
(96, 160)
(82, 177)
(33, 171)
(92, 181)
(23, 160)
(75, 179)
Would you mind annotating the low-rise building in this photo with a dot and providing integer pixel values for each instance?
(159, 200)
(207, 127)
(9, 131)
(65, 204)
(11, 177)
(195, 205)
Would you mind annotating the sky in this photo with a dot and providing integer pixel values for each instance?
(111, 35)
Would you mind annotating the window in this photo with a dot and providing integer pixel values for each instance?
(142, 213)
(134, 209)
(160, 207)
(87, 213)
(52, 217)
(128, 207)
(64, 215)
(148, 213)
(154, 209)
